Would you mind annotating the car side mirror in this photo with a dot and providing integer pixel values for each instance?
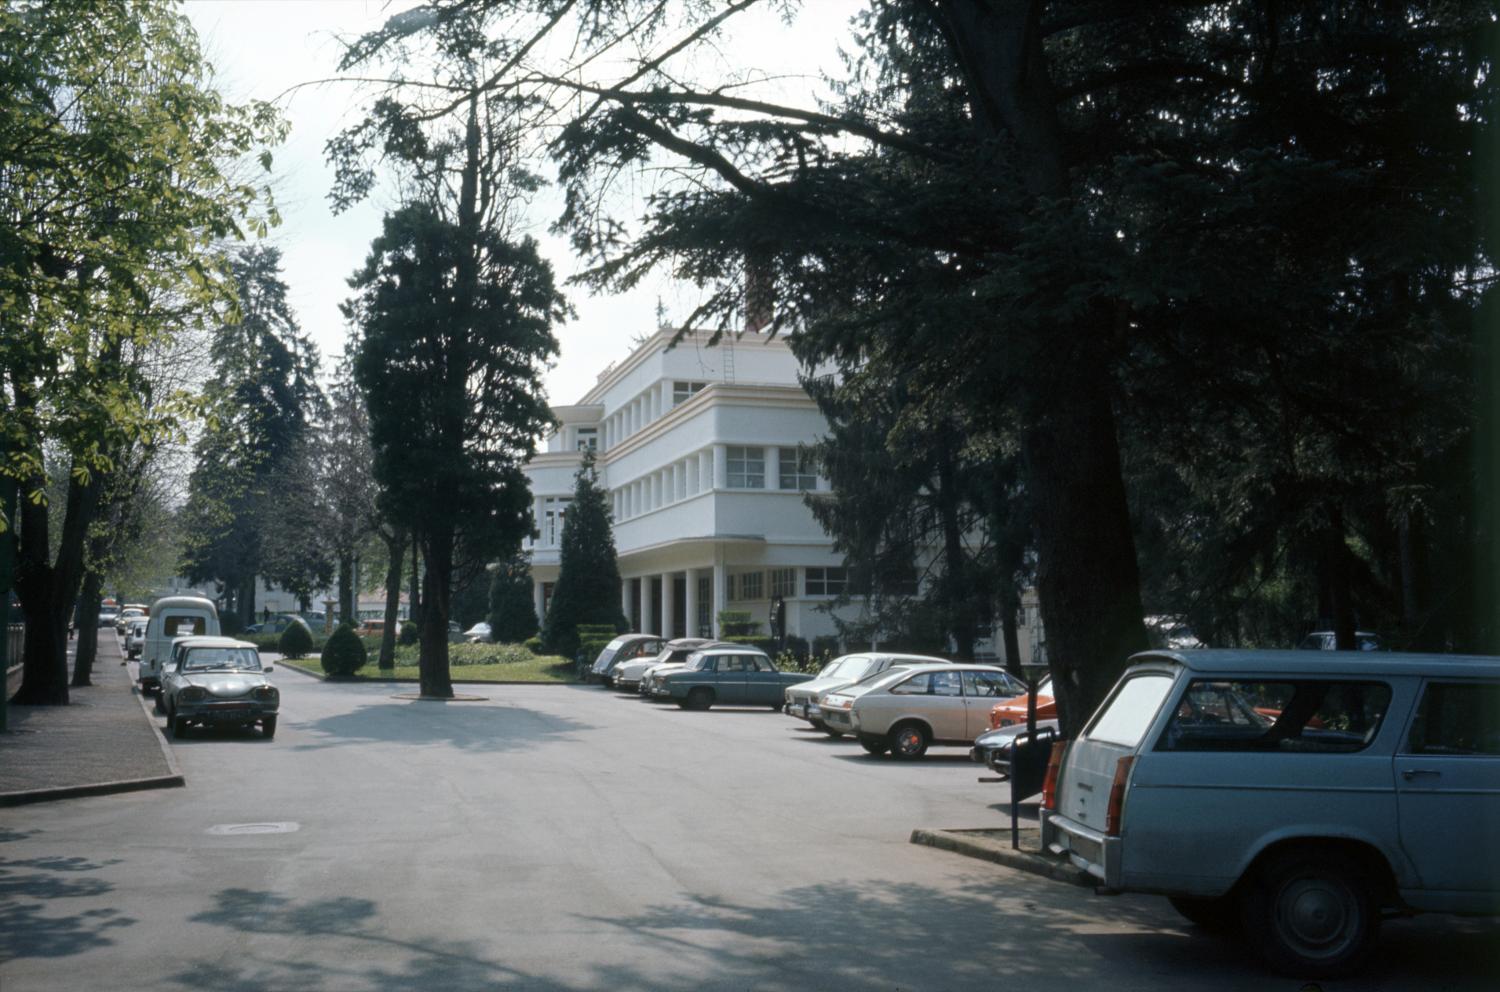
(268, 669)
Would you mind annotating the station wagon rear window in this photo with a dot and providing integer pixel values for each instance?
(1284, 716)
(1124, 719)
(185, 626)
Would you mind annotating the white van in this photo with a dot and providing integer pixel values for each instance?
(173, 617)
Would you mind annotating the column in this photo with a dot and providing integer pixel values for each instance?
(663, 398)
(538, 601)
(705, 471)
(692, 475)
(668, 491)
(648, 626)
(773, 468)
(625, 600)
(536, 516)
(690, 603)
(718, 594)
(668, 604)
(721, 470)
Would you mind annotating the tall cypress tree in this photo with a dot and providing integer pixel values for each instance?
(588, 585)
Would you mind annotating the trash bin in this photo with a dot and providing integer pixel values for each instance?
(1028, 762)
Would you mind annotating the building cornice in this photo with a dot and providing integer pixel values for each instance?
(659, 342)
(716, 394)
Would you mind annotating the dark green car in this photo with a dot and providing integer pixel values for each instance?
(732, 676)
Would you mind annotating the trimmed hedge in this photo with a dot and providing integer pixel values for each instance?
(736, 623)
(589, 648)
(534, 645)
(345, 653)
(295, 642)
(766, 644)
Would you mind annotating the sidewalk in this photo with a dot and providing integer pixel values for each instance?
(104, 741)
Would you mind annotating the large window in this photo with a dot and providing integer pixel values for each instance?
(588, 439)
(827, 581)
(751, 586)
(1457, 718)
(554, 508)
(747, 467)
(797, 470)
(1224, 715)
(784, 582)
(683, 391)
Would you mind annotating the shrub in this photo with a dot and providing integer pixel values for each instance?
(345, 653)
(534, 645)
(825, 646)
(797, 647)
(409, 633)
(736, 623)
(296, 641)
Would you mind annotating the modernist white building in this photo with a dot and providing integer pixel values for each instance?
(698, 448)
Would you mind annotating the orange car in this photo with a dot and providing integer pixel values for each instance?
(1012, 711)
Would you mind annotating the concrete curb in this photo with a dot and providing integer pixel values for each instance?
(985, 845)
(161, 738)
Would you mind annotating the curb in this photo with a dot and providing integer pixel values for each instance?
(982, 844)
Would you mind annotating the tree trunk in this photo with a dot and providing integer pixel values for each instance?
(7, 567)
(415, 595)
(1088, 579)
(1336, 567)
(89, 602)
(960, 592)
(395, 545)
(1010, 603)
(346, 588)
(435, 677)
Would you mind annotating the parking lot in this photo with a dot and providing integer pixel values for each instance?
(567, 838)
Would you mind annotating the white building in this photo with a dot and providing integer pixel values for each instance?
(698, 448)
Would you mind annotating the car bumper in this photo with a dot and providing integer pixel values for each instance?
(841, 720)
(803, 710)
(627, 685)
(1084, 847)
(226, 712)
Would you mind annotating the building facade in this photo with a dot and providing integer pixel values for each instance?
(702, 451)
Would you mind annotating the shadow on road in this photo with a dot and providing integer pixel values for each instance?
(28, 887)
(467, 726)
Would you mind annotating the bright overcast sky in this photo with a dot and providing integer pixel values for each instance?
(261, 49)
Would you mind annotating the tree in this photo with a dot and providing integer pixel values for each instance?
(256, 451)
(1065, 204)
(116, 180)
(452, 378)
(512, 616)
(588, 578)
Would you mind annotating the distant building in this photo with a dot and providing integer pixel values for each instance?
(702, 452)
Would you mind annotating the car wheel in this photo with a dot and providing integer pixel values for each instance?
(161, 706)
(1213, 915)
(700, 699)
(1311, 915)
(873, 745)
(835, 734)
(177, 725)
(268, 727)
(907, 741)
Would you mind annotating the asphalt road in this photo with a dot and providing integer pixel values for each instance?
(566, 838)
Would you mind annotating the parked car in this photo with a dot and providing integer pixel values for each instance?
(123, 618)
(673, 656)
(218, 681)
(276, 624)
(135, 637)
(479, 634)
(1327, 640)
(173, 617)
(1373, 790)
(732, 674)
(994, 748)
(107, 615)
(1009, 712)
(802, 699)
(910, 709)
(626, 656)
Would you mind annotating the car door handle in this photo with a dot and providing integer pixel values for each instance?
(1411, 773)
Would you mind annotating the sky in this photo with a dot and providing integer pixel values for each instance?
(267, 50)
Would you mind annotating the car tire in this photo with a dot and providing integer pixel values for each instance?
(876, 746)
(775, 707)
(835, 734)
(1221, 915)
(700, 698)
(268, 727)
(160, 704)
(1311, 914)
(907, 741)
(178, 726)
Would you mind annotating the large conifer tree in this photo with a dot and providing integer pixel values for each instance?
(588, 585)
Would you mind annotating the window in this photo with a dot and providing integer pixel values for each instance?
(184, 626)
(797, 470)
(751, 586)
(733, 663)
(759, 664)
(1457, 718)
(989, 685)
(747, 467)
(554, 509)
(705, 606)
(588, 439)
(930, 684)
(1307, 716)
(684, 391)
(1124, 718)
(827, 581)
(784, 582)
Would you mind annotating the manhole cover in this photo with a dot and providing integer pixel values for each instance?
(236, 829)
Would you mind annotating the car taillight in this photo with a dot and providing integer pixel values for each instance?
(1054, 768)
(1116, 807)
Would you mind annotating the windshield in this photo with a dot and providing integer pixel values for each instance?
(220, 659)
(696, 662)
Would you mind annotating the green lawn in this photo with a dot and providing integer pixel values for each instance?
(519, 665)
